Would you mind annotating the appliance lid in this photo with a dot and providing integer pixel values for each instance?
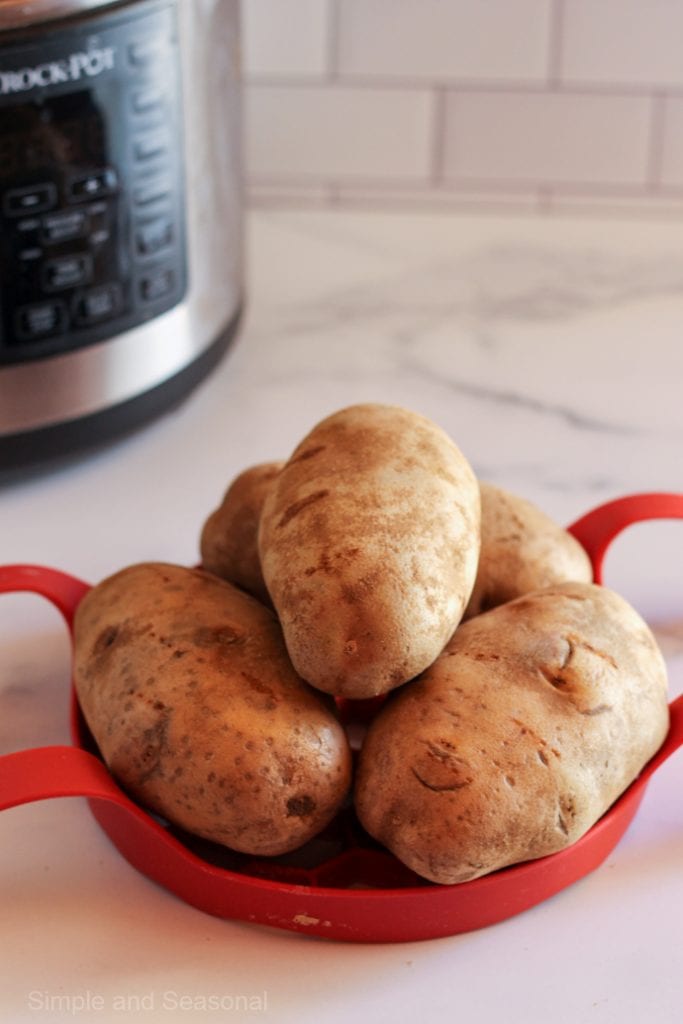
(21, 14)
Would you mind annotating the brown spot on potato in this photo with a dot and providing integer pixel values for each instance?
(597, 652)
(298, 506)
(440, 769)
(442, 787)
(554, 678)
(360, 590)
(260, 687)
(217, 637)
(307, 453)
(599, 709)
(300, 806)
(155, 746)
(105, 639)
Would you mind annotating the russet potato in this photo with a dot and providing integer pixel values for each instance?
(187, 689)
(369, 540)
(536, 717)
(522, 549)
(229, 537)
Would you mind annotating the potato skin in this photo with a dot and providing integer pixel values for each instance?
(522, 549)
(229, 537)
(186, 686)
(369, 542)
(533, 721)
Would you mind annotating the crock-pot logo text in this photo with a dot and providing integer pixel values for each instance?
(84, 64)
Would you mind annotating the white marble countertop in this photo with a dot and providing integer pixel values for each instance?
(550, 349)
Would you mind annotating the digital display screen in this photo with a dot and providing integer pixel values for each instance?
(51, 134)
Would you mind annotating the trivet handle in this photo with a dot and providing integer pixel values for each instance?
(597, 529)
(595, 532)
(46, 772)
(64, 591)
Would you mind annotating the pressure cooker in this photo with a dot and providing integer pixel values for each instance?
(120, 212)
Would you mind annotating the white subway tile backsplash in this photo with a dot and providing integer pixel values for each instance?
(444, 39)
(557, 105)
(334, 133)
(546, 138)
(671, 167)
(285, 37)
(628, 42)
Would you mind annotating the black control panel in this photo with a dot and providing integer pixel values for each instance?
(92, 231)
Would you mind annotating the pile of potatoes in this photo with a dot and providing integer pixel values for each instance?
(522, 698)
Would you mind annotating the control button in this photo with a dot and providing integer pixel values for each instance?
(100, 224)
(30, 254)
(92, 186)
(147, 100)
(99, 303)
(153, 236)
(151, 191)
(30, 224)
(66, 272)
(36, 199)
(157, 284)
(40, 320)
(151, 145)
(99, 237)
(145, 52)
(63, 226)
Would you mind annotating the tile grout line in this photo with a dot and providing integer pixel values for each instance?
(459, 185)
(655, 155)
(555, 45)
(465, 85)
(546, 205)
(438, 140)
(332, 42)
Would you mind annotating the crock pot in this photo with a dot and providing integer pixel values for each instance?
(120, 212)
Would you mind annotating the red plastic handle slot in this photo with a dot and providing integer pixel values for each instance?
(597, 529)
(47, 772)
